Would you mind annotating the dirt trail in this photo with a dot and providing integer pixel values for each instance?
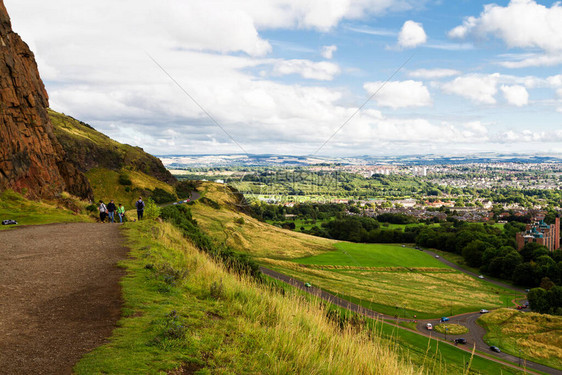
(59, 294)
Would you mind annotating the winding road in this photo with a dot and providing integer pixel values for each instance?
(474, 337)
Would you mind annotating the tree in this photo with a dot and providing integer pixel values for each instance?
(473, 252)
(538, 300)
(546, 283)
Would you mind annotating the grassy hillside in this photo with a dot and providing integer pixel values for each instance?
(537, 337)
(15, 207)
(386, 278)
(106, 185)
(185, 313)
(87, 148)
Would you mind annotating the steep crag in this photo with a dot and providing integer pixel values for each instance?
(31, 159)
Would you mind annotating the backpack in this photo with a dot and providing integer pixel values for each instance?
(140, 205)
(103, 208)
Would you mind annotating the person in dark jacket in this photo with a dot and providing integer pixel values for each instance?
(140, 208)
(111, 208)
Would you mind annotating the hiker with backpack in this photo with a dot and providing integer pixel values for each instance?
(103, 211)
(140, 208)
(121, 212)
(111, 211)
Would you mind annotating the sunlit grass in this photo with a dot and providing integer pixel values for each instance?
(537, 337)
(233, 325)
(26, 212)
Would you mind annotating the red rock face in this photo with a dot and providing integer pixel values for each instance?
(31, 159)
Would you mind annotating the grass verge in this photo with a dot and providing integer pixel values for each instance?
(450, 329)
(184, 311)
(13, 206)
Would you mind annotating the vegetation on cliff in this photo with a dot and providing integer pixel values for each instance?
(87, 149)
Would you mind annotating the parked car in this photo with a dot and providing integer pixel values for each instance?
(429, 326)
(308, 285)
(437, 256)
(480, 276)
(403, 245)
(495, 349)
(444, 319)
(484, 311)
(460, 341)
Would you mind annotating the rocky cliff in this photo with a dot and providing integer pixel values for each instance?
(31, 159)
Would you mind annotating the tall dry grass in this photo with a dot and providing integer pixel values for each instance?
(294, 333)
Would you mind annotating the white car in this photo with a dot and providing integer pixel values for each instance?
(480, 276)
(429, 326)
(437, 256)
(484, 311)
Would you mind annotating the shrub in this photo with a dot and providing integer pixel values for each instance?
(151, 209)
(162, 196)
(124, 179)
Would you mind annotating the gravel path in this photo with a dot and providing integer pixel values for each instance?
(59, 294)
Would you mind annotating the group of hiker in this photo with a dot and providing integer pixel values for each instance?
(110, 210)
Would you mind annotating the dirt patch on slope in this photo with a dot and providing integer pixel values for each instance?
(59, 294)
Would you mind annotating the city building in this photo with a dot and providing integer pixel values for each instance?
(540, 232)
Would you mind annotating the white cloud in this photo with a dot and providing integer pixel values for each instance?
(411, 35)
(433, 73)
(520, 24)
(328, 51)
(322, 71)
(399, 94)
(531, 60)
(478, 88)
(515, 95)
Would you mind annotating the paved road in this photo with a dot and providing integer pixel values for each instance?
(59, 294)
(193, 197)
(459, 268)
(468, 320)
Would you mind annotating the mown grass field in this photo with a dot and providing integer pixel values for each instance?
(373, 255)
(386, 278)
(15, 207)
(184, 312)
(537, 337)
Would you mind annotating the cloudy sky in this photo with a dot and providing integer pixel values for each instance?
(282, 76)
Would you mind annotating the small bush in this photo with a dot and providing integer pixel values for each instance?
(151, 209)
(240, 221)
(162, 196)
(125, 180)
(92, 208)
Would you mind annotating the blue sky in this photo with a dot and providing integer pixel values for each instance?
(282, 76)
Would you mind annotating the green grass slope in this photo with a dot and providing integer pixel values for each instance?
(186, 314)
(386, 278)
(106, 186)
(13, 206)
(533, 336)
(87, 148)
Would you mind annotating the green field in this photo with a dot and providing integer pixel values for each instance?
(373, 255)
(390, 279)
